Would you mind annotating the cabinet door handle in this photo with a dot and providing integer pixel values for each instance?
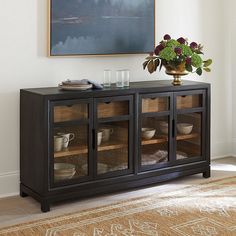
(93, 139)
(173, 129)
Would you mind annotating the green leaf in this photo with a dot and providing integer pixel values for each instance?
(207, 69)
(189, 68)
(199, 71)
(145, 64)
(151, 67)
(156, 63)
(199, 52)
(161, 65)
(207, 63)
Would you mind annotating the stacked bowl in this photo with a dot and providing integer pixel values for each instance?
(63, 171)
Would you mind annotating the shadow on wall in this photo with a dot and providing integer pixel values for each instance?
(42, 9)
(9, 141)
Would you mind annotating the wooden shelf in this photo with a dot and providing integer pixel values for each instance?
(70, 151)
(112, 145)
(82, 149)
(164, 138)
(154, 141)
(187, 136)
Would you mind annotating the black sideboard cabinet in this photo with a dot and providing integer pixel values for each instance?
(121, 138)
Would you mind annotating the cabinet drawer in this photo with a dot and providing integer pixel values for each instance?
(189, 101)
(111, 109)
(70, 112)
(156, 104)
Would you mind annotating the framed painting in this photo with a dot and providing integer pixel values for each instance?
(101, 27)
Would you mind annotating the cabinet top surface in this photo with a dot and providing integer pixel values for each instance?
(162, 85)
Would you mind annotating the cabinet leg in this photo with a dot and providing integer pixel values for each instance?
(45, 206)
(207, 174)
(23, 194)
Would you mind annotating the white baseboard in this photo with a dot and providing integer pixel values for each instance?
(234, 147)
(220, 157)
(9, 182)
(221, 150)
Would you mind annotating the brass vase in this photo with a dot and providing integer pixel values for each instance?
(176, 72)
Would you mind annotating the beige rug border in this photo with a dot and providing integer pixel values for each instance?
(108, 205)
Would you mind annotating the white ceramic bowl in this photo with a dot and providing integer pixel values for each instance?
(99, 138)
(63, 167)
(164, 127)
(64, 171)
(184, 128)
(148, 133)
(63, 177)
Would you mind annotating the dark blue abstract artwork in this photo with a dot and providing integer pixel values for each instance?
(96, 27)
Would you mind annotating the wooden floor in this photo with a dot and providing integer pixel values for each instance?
(15, 210)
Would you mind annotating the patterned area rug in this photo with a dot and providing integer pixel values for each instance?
(201, 210)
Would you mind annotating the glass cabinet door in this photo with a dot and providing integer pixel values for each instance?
(154, 131)
(189, 133)
(70, 135)
(113, 140)
(190, 113)
(112, 147)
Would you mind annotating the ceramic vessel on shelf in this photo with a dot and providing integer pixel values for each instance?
(184, 128)
(164, 127)
(99, 138)
(148, 133)
(64, 171)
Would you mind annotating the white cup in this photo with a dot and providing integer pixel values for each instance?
(59, 142)
(106, 133)
(99, 138)
(67, 138)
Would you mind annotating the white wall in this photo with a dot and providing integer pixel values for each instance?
(232, 33)
(23, 64)
(205, 21)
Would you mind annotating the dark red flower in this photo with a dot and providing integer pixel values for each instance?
(158, 49)
(181, 40)
(178, 51)
(193, 45)
(161, 47)
(188, 61)
(167, 37)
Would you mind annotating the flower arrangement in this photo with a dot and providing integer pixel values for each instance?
(177, 55)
